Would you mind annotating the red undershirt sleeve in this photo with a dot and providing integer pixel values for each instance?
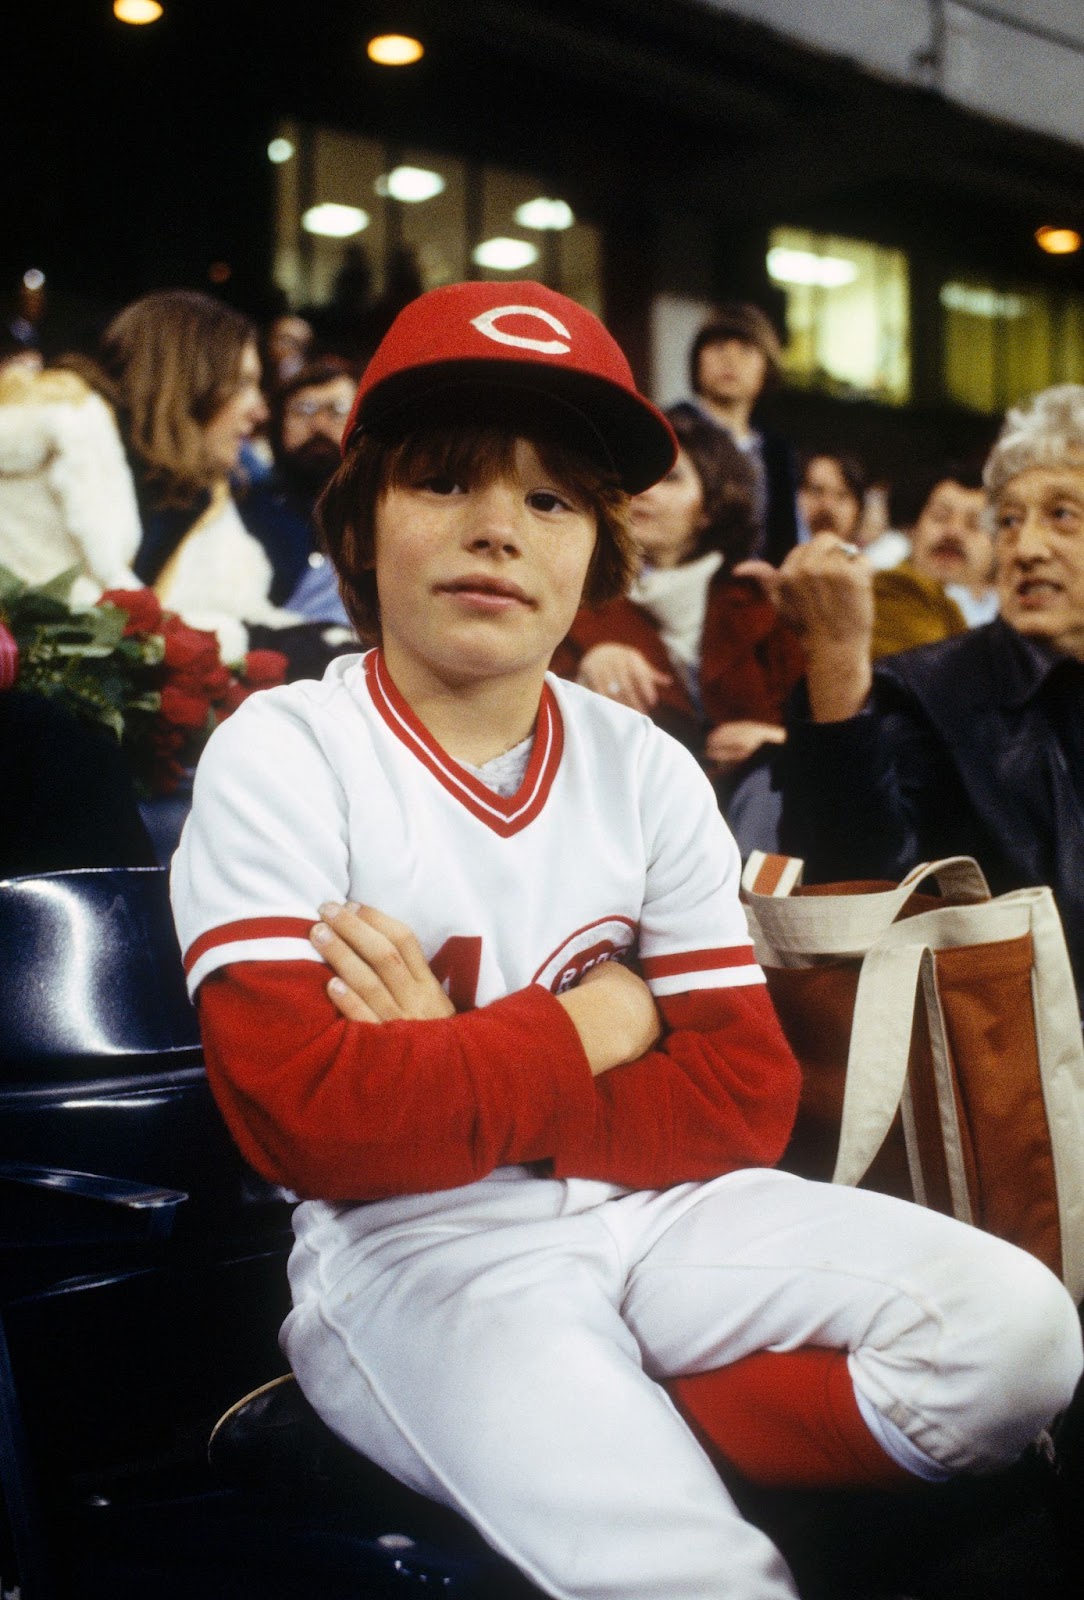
(357, 1111)
(720, 1092)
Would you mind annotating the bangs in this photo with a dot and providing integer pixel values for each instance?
(474, 457)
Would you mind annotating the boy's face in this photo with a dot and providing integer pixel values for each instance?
(480, 581)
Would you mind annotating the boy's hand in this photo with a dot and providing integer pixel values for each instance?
(613, 1011)
(380, 972)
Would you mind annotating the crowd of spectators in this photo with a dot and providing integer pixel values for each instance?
(865, 690)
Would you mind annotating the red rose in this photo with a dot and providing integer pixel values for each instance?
(9, 658)
(144, 611)
(264, 669)
(189, 649)
(211, 685)
(182, 708)
(216, 683)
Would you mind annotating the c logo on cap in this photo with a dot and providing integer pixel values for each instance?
(487, 325)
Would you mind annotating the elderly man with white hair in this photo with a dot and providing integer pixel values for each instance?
(971, 746)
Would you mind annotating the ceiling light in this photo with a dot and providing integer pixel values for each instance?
(334, 221)
(504, 255)
(803, 267)
(394, 50)
(137, 12)
(33, 278)
(545, 214)
(980, 302)
(409, 184)
(279, 150)
(1058, 241)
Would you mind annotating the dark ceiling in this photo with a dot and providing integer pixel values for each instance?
(141, 151)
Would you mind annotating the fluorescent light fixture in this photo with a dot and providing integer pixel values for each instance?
(980, 302)
(803, 267)
(409, 184)
(333, 221)
(1058, 241)
(137, 12)
(394, 50)
(33, 278)
(555, 215)
(504, 255)
(279, 150)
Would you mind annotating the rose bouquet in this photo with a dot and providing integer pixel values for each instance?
(160, 686)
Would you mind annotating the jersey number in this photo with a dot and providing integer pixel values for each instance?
(456, 965)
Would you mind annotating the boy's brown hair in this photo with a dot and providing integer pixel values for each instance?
(472, 455)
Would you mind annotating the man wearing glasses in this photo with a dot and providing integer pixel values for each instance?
(308, 414)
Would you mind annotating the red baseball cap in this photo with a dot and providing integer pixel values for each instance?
(470, 343)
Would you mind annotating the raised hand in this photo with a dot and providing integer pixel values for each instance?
(824, 589)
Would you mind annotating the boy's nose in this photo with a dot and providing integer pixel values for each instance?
(496, 520)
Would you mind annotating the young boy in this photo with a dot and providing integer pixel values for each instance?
(533, 1113)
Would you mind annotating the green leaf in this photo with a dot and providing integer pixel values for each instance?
(59, 588)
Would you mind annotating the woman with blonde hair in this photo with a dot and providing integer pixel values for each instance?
(186, 370)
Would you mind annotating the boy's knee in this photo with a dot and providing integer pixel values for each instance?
(1026, 1357)
(1042, 1334)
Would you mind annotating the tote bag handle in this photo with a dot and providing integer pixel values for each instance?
(800, 930)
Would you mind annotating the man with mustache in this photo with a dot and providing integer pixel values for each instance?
(944, 585)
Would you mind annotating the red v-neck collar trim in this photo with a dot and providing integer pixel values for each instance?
(505, 814)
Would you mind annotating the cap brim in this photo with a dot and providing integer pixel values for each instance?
(619, 430)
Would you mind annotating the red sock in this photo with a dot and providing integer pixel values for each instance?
(787, 1420)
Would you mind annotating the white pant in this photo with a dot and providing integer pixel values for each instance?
(497, 1346)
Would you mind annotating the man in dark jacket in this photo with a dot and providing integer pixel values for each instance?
(971, 746)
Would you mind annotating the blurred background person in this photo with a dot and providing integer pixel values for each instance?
(734, 360)
(831, 494)
(67, 503)
(945, 584)
(696, 648)
(285, 346)
(186, 370)
(308, 415)
(880, 543)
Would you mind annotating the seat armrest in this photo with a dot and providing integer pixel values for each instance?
(153, 1207)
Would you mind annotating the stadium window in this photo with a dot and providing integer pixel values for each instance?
(847, 314)
(435, 209)
(1001, 342)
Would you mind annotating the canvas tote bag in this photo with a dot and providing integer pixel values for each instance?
(940, 1043)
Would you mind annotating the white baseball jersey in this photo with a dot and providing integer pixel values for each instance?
(612, 846)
